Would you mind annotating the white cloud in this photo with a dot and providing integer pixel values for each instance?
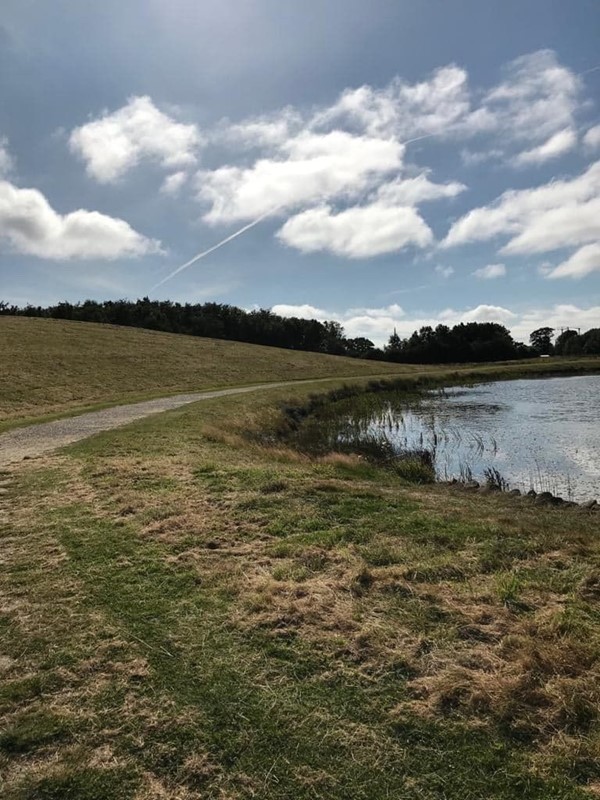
(591, 140)
(487, 313)
(557, 316)
(582, 262)
(118, 141)
(402, 109)
(358, 232)
(558, 227)
(490, 272)
(412, 191)
(306, 169)
(555, 215)
(304, 311)
(340, 168)
(392, 310)
(265, 131)
(172, 183)
(555, 146)
(538, 95)
(6, 161)
(537, 102)
(336, 153)
(31, 226)
(444, 272)
(378, 323)
(473, 159)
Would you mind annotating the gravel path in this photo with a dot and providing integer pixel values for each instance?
(35, 440)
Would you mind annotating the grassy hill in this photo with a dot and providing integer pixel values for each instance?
(51, 366)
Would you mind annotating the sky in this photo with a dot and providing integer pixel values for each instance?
(386, 164)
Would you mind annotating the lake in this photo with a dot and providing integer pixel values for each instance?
(537, 433)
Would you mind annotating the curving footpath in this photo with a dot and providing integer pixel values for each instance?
(35, 440)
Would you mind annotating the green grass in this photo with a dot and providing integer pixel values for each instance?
(189, 614)
(50, 367)
(54, 368)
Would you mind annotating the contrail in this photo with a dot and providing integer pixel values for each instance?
(418, 138)
(276, 208)
(591, 69)
(243, 230)
(215, 247)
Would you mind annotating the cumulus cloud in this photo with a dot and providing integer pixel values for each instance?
(487, 313)
(558, 227)
(581, 263)
(591, 140)
(31, 226)
(306, 169)
(559, 214)
(172, 183)
(339, 169)
(264, 131)
(536, 102)
(402, 109)
(303, 311)
(537, 95)
(378, 323)
(358, 232)
(561, 315)
(490, 272)
(116, 142)
(335, 153)
(555, 146)
(412, 191)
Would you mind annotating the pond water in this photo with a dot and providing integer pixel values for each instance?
(542, 433)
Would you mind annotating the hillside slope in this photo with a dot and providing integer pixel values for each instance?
(50, 366)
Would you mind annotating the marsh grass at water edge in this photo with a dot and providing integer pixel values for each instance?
(539, 434)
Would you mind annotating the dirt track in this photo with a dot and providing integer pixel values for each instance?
(35, 440)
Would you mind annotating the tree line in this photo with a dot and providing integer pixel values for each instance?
(214, 320)
(466, 342)
(568, 343)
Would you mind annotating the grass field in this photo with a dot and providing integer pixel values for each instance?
(186, 614)
(52, 366)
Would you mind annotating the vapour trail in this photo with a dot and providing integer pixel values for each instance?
(591, 69)
(273, 210)
(243, 230)
(215, 247)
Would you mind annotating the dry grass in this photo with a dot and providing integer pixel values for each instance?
(52, 366)
(231, 621)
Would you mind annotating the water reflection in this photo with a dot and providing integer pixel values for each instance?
(542, 434)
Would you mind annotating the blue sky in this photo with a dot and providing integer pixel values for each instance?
(405, 163)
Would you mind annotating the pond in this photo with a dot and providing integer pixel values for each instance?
(541, 434)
